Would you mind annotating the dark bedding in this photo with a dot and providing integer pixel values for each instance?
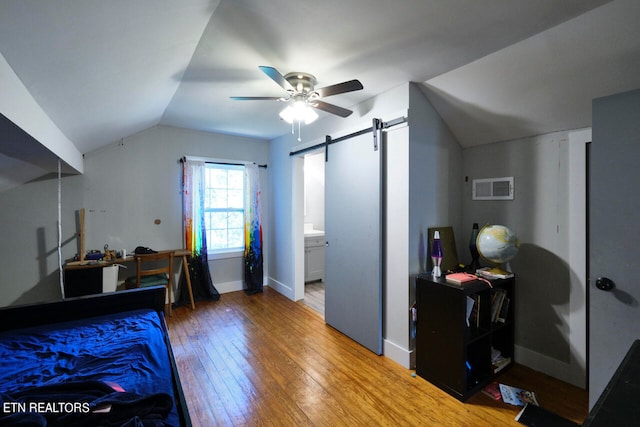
(118, 361)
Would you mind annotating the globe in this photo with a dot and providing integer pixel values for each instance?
(497, 244)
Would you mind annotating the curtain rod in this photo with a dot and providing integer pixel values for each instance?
(220, 162)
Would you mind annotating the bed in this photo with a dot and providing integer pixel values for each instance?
(101, 359)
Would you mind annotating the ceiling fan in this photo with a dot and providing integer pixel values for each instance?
(302, 93)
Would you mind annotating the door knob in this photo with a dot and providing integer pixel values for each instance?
(605, 284)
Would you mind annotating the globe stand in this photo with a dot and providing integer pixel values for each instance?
(506, 267)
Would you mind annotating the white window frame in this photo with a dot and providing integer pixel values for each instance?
(222, 253)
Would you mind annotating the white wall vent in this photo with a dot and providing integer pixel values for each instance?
(493, 188)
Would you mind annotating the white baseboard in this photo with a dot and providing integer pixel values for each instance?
(236, 285)
(561, 370)
(285, 290)
(223, 288)
(396, 353)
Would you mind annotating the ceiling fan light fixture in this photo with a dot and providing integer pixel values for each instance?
(303, 96)
(299, 111)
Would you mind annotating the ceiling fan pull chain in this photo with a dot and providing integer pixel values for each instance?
(299, 138)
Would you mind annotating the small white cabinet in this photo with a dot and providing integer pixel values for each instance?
(314, 256)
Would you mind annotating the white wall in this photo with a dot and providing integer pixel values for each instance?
(423, 190)
(133, 183)
(435, 166)
(17, 104)
(435, 181)
(548, 216)
(314, 190)
(396, 290)
(29, 229)
(126, 187)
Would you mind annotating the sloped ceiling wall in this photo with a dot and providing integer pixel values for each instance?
(494, 70)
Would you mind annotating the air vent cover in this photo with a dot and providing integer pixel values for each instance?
(493, 188)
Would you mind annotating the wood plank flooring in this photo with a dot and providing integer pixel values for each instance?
(265, 360)
(314, 296)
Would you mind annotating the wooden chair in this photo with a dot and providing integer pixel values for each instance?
(155, 269)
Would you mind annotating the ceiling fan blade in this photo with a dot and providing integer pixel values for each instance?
(275, 75)
(256, 98)
(330, 108)
(350, 86)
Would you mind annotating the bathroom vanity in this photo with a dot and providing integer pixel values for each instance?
(313, 255)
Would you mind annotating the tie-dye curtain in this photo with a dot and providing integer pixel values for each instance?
(193, 191)
(253, 273)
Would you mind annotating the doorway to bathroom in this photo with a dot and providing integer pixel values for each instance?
(314, 238)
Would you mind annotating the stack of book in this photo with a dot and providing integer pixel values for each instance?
(510, 394)
(498, 361)
(493, 273)
(499, 305)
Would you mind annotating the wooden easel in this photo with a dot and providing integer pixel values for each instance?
(81, 235)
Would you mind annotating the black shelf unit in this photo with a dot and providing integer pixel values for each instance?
(456, 333)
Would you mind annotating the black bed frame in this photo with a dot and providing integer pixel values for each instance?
(23, 316)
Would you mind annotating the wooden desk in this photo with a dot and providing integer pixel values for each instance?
(90, 266)
(79, 265)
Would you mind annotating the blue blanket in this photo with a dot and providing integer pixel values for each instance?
(126, 350)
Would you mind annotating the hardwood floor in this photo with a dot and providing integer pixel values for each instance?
(265, 360)
(314, 296)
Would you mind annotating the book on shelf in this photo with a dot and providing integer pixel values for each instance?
(473, 311)
(498, 361)
(500, 364)
(494, 273)
(517, 396)
(498, 298)
(470, 304)
(492, 390)
(460, 278)
(504, 310)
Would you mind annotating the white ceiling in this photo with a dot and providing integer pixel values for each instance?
(494, 69)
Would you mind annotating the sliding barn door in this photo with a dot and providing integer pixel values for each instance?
(353, 261)
(614, 204)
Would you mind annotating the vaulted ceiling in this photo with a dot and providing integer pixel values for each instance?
(494, 69)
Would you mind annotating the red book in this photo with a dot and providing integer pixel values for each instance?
(493, 390)
(460, 278)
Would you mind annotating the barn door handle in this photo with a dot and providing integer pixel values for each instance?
(605, 284)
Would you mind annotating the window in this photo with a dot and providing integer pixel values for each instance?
(224, 207)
